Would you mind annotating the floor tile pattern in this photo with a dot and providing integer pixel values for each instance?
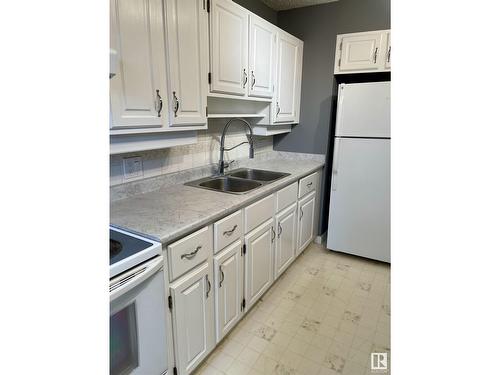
(323, 316)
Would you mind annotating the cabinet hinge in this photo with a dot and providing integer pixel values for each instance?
(170, 302)
(175, 370)
(243, 304)
(208, 6)
(209, 78)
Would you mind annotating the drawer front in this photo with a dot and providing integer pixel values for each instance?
(308, 184)
(227, 230)
(258, 212)
(286, 196)
(188, 252)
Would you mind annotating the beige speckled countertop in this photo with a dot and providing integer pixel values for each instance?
(173, 211)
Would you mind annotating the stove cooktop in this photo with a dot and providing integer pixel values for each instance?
(126, 250)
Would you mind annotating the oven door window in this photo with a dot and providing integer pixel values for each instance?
(123, 341)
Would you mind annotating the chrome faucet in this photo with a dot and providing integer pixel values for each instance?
(223, 165)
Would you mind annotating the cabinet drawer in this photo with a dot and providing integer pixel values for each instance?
(258, 212)
(227, 230)
(308, 184)
(188, 252)
(286, 196)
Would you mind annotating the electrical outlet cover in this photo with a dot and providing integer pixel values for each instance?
(132, 167)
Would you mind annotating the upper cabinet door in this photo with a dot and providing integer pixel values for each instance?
(388, 52)
(361, 51)
(229, 47)
(187, 22)
(261, 57)
(288, 79)
(138, 90)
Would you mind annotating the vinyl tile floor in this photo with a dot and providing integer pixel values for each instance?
(324, 316)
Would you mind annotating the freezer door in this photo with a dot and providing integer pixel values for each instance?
(359, 221)
(364, 110)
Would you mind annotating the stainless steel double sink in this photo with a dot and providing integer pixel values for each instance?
(239, 181)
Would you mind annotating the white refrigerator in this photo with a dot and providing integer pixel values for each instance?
(359, 219)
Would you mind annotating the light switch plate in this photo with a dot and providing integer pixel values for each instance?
(132, 167)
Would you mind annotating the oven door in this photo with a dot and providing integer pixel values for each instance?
(138, 335)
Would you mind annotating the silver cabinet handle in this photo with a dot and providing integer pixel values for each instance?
(274, 235)
(209, 287)
(301, 213)
(176, 101)
(389, 55)
(375, 55)
(309, 184)
(253, 80)
(230, 232)
(245, 78)
(159, 103)
(280, 230)
(221, 276)
(278, 109)
(192, 254)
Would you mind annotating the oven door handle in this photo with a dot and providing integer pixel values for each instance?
(130, 281)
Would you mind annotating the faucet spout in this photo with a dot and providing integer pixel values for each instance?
(222, 165)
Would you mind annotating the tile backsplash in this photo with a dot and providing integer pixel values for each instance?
(179, 158)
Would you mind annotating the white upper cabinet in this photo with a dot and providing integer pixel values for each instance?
(187, 31)
(388, 53)
(229, 47)
(139, 89)
(286, 106)
(362, 52)
(261, 57)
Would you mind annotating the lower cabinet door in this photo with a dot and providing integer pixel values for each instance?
(306, 219)
(259, 271)
(285, 223)
(228, 288)
(193, 318)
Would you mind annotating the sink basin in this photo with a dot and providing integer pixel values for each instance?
(227, 184)
(258, 175)
(239, 181)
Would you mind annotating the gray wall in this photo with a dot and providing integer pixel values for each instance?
(259, 8)
(318, 27)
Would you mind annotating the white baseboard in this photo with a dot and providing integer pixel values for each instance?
(320, 239)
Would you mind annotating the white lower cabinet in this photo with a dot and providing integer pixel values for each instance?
(228, 288)
(193, 317)
(258, 263)
(285, 223)
(306, 208)
(253, 246)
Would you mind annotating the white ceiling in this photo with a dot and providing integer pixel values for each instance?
(290, 4)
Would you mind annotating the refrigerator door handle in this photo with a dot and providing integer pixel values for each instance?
(335, 168)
